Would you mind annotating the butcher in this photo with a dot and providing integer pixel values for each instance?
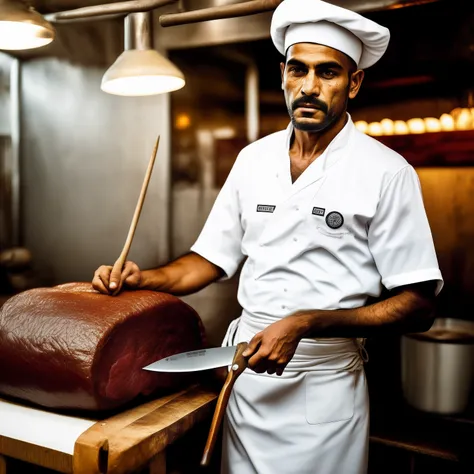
(325, 220)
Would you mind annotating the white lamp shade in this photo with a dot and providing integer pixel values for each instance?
(22, 27)
(141, 73)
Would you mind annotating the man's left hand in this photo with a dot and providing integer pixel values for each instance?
(271, 349)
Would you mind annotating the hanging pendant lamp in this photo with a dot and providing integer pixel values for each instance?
(141, 70)
(22, 27)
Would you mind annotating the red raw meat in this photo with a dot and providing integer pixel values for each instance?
(70, 347)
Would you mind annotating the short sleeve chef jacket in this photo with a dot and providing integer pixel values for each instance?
(354, 221)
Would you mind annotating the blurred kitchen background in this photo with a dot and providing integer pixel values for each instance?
(73, 158)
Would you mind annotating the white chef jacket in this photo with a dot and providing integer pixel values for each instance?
(353, 222)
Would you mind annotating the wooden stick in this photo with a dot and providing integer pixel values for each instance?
(239, 364)
(3, 465)
(118, 265)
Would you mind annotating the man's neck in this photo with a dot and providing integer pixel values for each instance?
(307, 146)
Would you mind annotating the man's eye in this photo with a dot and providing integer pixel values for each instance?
(328, 74)
(296, 70)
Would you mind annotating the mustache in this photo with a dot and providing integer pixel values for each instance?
(312, 102)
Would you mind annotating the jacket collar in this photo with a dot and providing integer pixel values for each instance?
(337, 149)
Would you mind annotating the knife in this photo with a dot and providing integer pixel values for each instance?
(192, 361)
(208, 359)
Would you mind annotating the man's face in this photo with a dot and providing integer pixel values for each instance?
(317, 82)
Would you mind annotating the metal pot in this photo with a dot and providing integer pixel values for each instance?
(438, 367)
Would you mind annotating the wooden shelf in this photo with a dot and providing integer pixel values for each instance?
(443, 437)
(434, 149)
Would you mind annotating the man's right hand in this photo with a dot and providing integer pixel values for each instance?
(111, 283)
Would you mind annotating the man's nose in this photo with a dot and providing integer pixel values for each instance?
(311, 85)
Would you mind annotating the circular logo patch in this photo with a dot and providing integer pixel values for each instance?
(334, 220)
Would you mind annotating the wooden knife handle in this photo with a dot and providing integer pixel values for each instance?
(239, 364)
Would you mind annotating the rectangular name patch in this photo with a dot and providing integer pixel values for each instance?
(318, 211)
(265, 208)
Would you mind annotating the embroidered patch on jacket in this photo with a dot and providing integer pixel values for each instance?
(265, 208)
(318, 211)
(334, 220)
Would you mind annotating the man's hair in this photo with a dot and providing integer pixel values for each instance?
(352, 68)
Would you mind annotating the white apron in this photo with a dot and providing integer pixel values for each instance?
(313, 419)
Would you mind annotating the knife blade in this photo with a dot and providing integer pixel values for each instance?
(193, 361)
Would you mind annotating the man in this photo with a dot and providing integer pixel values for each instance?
(324, 217)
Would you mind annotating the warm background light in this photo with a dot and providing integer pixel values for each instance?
(416, 125)
(387, 126)
(447, 123)
(456, 112)
(400, 128)
(375, 129)
(224, 133)
(432, 124)
(463, 120)
(182, 122)
(458, 119)
(362, 126)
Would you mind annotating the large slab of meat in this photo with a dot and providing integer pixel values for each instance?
(70, 347)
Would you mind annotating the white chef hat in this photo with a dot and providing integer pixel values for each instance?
(315, 21)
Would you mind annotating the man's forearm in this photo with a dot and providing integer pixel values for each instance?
(410, 310)
(183, 276)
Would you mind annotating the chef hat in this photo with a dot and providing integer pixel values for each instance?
(315, 21)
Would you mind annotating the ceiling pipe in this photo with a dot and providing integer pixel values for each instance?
(133, 6)
(251, 7)
(219, 13)
(260, 6)
(401, 4)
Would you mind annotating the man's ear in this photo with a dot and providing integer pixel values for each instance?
(282, 70)
(356, 81)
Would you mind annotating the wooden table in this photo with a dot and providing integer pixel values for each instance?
(124, 443)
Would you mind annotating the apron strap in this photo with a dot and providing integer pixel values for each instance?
(230, 339)
(230, 335)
